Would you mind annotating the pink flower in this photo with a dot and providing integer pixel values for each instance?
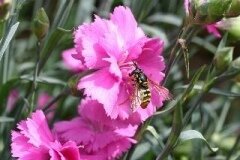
(113, 46)
(34, 140)
(12, 99)
(43, 99)
(212, 28)
(186, 6)
(71, 63)
(100, 135)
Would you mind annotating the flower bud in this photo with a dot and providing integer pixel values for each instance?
(40, 24)
(4, 8)
(236, 66)
(234, 9)
(236, 63)
(74, 80)
(72, 84)
(207, 12)
(223, 58)
(232, 26)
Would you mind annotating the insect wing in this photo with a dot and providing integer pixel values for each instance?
(162, 91)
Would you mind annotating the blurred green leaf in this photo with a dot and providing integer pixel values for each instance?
(2, 26)
(153, 131)
(44, 79)
(165, 18)
(6, 119)
(50, 44)
(193, 134)
(205, 44)
(214, 91)
(154, 31)
(140, 151)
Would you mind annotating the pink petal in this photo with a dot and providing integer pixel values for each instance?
(123, 107)
(159, 94)
(151, 62)
(70, 62)
(113, 43)
(70, 151)
(43, 99)
(12, 99)
(86, 39)
(123, 18)
(212, 28)
(93, 111)
(103, 87)
(67, 130)
(21, 148)
(186, 6)
(36, 129)
(135, 49)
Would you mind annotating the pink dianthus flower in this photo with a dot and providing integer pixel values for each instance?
(34, 140)
(102, 137)
(42, 100)
(12, 99)
(112, 47)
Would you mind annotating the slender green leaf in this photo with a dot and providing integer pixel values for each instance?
(5, 41)
(214, 91)
(66, 13)
(193, 134)
(152, 130)
(44, 79)
(223, 42)
(170, 106)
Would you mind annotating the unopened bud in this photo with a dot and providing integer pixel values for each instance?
(72, 84)
(4, 8)
(232, 26)
(40, 24)
(236, 66)
(75, 79)
(236, 63)
(234, 9)
(223, 58)
(207, 12)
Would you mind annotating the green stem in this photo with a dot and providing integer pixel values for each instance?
(174, 54)
(35, 76)
(55, 99)
(175, 132)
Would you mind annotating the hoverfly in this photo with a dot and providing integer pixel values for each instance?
(143, 84)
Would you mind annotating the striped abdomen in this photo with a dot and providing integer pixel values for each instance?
(145, 96)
